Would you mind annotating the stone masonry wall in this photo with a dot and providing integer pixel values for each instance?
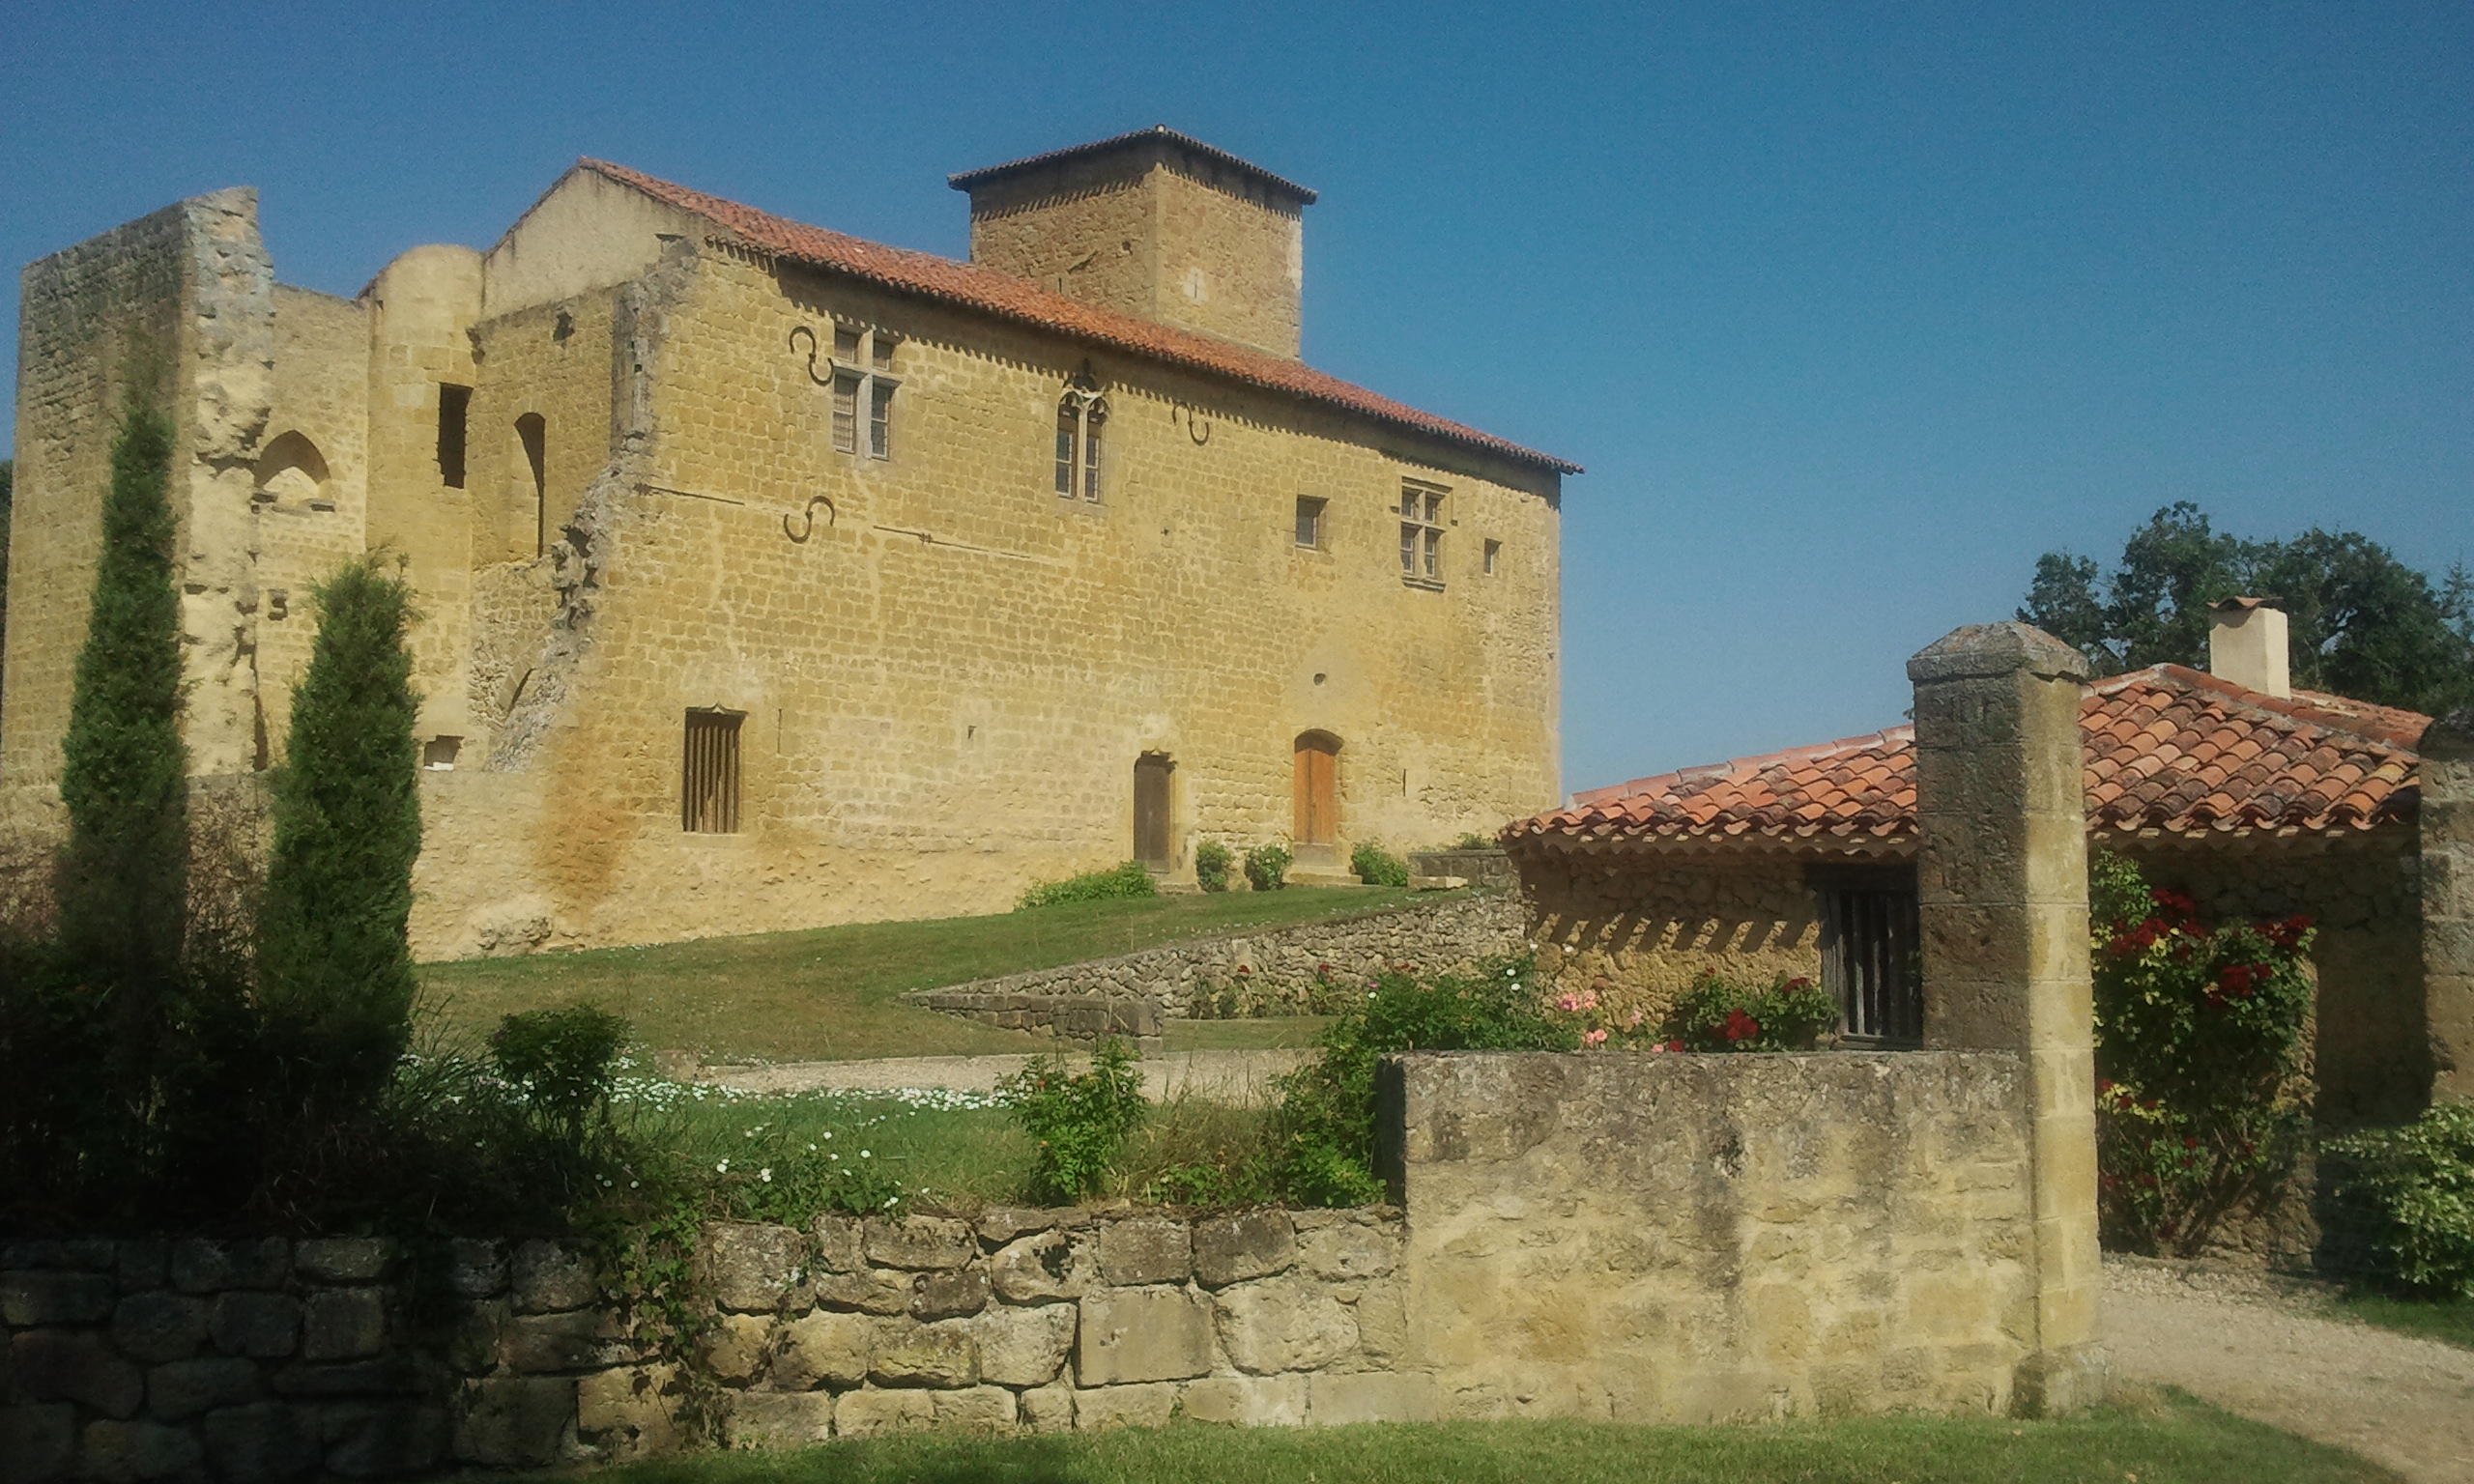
(255, 1362)
(1690, 1239)
(1282, 972)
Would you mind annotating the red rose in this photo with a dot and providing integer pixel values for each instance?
(2188, 1142)
(1741, 1026)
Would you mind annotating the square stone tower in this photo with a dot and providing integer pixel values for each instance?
(1154, 224)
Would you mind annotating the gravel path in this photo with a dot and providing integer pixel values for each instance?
(1244, 1077)
(2266, 1349)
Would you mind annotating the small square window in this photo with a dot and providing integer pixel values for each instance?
(1494, 553)
(846, 344)
(881, 351)
(1309, 522)
(438, 753)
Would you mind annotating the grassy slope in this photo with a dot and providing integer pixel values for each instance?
(832, 993)
(2179, 1441)
(2433, 1319)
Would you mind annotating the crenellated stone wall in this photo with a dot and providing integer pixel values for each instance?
(1288, 971)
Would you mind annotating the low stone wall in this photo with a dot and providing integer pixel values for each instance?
(1692, 1239)
(261, 1360)
(1291, 971)
(1488, 870)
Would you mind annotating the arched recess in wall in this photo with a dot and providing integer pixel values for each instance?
(532, 438)
(293, 472)
(1317, 776)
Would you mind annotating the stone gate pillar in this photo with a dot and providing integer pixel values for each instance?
(2001, 876)
(2446, 826)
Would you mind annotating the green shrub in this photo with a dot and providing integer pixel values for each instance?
(562, 1060)
(1267, 867)
(1326, 1156)
(2199, 1059)
(1080, 1119)
(1720, 1015)
(1377, 866)
(2418, 1181)
(1129, 880)
(1213, 861)
(1471, 840)
(334, 962)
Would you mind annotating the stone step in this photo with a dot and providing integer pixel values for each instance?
(1310, 876)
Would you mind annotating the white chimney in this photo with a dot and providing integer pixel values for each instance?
(2246, 644)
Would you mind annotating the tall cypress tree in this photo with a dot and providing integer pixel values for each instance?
(334, 962)
(124, 875)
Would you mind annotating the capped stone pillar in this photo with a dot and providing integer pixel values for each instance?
(2446, 826)
(2002, 881)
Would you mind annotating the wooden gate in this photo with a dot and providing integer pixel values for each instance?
(1151, 808)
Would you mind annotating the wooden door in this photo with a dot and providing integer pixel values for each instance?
(1317, 780)
(1151, 831)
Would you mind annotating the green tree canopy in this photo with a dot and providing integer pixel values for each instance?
(2360, 622)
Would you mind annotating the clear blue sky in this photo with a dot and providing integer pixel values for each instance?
(1850, 310)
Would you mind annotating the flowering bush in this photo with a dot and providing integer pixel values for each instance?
(1720, 1015)
(2419, 1182)
(2199, 1059)
(1267, 867)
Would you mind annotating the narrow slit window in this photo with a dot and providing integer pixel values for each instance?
(454, 403)
(1069, 438)
(880, 419)
(1091, 422)
(534, 434)
(708, 792)
(1494, 554)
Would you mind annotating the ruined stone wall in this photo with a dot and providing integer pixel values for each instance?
(307, 528)
(273, 1360)
(1692, 1239)
(946, 673)
(1292, 971)
(1639, 930)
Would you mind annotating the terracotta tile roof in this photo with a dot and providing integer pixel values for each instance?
(1156, 133)
(2167, 749)
(1019, 299)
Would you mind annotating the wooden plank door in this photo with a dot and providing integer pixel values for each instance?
(1151, 833)
(1317, 778)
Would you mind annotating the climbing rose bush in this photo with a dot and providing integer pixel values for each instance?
(2200, 1098)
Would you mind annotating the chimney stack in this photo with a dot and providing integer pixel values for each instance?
(2246, 644)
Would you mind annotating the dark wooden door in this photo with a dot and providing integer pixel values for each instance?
(1318, 767)
(1151, 831)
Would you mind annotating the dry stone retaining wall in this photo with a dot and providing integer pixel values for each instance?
(1285, 972)
(264, 1361)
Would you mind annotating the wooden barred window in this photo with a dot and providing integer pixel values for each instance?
(1868, 956)
(709, 774)
(1080, 413)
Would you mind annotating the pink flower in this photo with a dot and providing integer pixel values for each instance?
(1594, 1039)
(1633, 1022)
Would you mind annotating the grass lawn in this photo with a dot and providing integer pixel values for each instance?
(2433, 1319)
(2176, 1440)
(832, 993)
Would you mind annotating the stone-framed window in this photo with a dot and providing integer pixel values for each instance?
(1869, 961)
(1309, 522)
(1082, 413)
(863, 390)
(708, 773)
(1421, 522)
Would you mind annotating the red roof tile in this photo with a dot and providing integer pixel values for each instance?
(1016, 299)
(2167, 749)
